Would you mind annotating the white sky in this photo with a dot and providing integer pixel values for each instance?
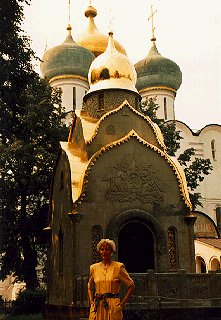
(187, 32)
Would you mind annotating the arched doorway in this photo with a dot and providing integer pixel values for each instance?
(200, 265)
(215, 265)
(136, 247)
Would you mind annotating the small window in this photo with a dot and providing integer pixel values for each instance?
(200, 265)
(165, 107)
(62, 181)
(218, 218)
(101, 102)
(213, 149)
(74, 98)
(172, 248)
(61, 252)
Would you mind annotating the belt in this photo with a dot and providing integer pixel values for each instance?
(103, 296)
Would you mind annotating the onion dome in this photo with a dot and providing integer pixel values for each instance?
(93, 39)
(157, 71)
(112, 70)
(66, 59)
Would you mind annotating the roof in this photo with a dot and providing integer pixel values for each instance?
(211, 241)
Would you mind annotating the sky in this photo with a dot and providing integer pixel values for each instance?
(186, 31)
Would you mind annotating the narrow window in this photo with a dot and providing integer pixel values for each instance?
(101, 102)
(172, 248)
(74, 98)
(213, 149)
(61, 252)
(218, 218)
(96, 237)
(165, 107)
(62, 181)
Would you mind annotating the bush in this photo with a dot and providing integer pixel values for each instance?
(29, 302)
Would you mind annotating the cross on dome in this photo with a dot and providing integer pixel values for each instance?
(152, 22)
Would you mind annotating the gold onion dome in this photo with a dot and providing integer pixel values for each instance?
(92, 38)
(112, 70)
(66, 59)
(157, 71)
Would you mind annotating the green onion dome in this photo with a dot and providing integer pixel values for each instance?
(66, 59)
(155, 71)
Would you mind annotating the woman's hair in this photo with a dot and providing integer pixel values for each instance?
(109, 242)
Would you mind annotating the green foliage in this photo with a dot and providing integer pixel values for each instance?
(28, 302)
(171, 135)
(31, 125)
(195, 168)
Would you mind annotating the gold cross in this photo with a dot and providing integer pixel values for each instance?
(111, 21)
(69, 11)
(151, 17)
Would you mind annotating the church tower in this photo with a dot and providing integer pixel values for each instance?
(66, 66)
(112, 78)
(158, 77)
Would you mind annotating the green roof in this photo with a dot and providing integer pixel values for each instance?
(68, 58)
(157, 71)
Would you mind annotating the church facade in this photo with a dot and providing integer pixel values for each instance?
(114, 179)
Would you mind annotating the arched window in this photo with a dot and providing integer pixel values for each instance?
(61, 252)
(74, 98)
(215, 264)
(172, 249)
(101, 101)
(62, 180)
(165, 107)
(213, 149)
(96, 237)
(200, 265)
(218, 218)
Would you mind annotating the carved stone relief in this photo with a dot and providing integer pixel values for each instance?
(128, 180)
(111, 100)
(96, 237)
(172, 249)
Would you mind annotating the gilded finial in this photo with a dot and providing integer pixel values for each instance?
(111, 24)
(152, 22)
(69, 28)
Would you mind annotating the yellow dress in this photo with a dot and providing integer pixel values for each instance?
(108, 280)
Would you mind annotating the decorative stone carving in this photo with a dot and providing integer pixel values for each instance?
(128, 181)
(110, 129)
(111, 100)
(96, 237)
(172, 249)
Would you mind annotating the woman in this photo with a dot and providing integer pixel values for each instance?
(107, 275)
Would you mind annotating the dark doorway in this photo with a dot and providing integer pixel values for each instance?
(136, 247)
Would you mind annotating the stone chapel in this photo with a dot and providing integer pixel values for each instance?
(114, 179)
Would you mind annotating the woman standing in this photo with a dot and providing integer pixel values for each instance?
(107, 276)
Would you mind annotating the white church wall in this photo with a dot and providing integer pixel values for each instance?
(165, 100)
(209, 188)
(67, 85)
(208, 253)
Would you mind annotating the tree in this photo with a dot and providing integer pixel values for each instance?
(31, 125)
(195, 168)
